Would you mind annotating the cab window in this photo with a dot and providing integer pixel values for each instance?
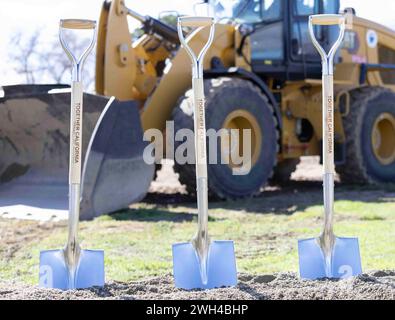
(301, 46)
(256, 11)
(267, 41)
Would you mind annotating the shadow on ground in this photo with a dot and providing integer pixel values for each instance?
(285, 199)
(155, 214)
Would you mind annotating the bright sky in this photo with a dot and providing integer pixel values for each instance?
(45, 15)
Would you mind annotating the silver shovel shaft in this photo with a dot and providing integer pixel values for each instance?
(328, 152)
(327, 238)
(201, 156)
(72, 249)
(201, 241)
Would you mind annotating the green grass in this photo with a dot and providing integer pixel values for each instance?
(137, 242)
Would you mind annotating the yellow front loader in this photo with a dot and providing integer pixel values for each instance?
(262, 73)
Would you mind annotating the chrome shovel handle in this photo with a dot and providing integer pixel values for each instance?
(198, 22)
(77, 24)
(328, 139)
(76, 118)
(327, 83)
(327, 20)
(198, 90)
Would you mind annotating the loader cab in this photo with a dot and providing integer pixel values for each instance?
(280, 43)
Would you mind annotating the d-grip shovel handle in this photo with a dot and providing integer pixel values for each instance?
(198, 91)
(198, 22)
(327, 83)
(328, 20)
(76, 93)
(198, 88)
(76, 24)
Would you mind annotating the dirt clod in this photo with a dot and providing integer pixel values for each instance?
(379, 285)
(264, 279)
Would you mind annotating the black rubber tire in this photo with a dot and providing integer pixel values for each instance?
(283, 171)
(224, 95)
(361, 165)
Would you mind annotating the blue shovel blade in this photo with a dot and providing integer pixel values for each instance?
(221, 266)
(54, 274)
(346, 259)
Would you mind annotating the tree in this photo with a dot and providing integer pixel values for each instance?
(41, 61)
(24, 53)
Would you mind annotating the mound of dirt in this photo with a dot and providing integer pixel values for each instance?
(286, 286)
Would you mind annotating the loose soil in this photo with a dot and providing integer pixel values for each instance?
(378, 285)
(303, 191)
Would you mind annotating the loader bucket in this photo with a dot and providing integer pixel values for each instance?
(115, 174)
(34, 151)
